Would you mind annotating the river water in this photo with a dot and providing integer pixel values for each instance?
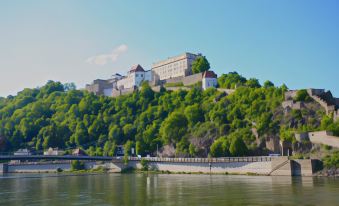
(166, 189)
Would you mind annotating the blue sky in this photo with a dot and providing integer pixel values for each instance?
(291, 42)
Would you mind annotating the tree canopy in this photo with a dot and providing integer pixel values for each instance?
(200, 64)
(195, 122)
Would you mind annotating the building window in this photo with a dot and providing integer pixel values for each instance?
(141, 75)
(136, 75)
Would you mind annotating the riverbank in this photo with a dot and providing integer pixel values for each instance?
(280, 166)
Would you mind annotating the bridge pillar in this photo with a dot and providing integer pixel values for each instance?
(3, 168)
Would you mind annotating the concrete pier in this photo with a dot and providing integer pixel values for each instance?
(3, 168)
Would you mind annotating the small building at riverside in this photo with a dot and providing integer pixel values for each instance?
(54, 152)
(22, 152)
(79, 152)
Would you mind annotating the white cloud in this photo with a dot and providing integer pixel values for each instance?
(102, 59)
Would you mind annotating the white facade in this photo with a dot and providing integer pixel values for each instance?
(134, 78)
(55, 152)
(174, 67)
(209, 79)
(21, 152)
(209, 82)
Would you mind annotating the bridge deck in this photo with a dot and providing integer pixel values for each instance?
(150, 159)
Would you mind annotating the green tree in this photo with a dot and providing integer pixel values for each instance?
(200, 64)
(268, 84)
(174, 127)
(238, 147)
(77, 165)
(303, 96)
(194, 114)
(253, 83)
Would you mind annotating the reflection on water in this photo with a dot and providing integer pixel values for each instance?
(142, 189)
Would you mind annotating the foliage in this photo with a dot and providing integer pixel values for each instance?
(268, 84)
(302, 96)
(332, 160)
(195, 122)
(144, 164)
(328, 124)
(253, 83)
(287, 135)
(174, 84)
(231, 80)
(200, 64)
(174, 127)
(238, 147)
(220, 147)
(77, 165)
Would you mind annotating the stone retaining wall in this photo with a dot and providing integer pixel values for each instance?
(261, 168)
(43, 167)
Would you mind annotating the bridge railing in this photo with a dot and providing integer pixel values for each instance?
(206, 160)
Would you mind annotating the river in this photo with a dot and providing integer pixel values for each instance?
(165, 189)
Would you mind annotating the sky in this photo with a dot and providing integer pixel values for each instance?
(295, 42)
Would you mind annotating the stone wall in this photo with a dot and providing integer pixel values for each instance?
(277, 166)
(156, 88)
(319, 137)
(302, 137)
(262, 168)
(324, 137)
(119, 92)
(316, 94)
(292, 104)
(43, 167)
(303, 167)
(273, 144)
(289, 95)
(192, 79)
(281, 166)
(174, 80)
(177, 88)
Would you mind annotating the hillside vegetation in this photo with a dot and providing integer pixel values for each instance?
(195, 122)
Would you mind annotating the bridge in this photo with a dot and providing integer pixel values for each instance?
(58, 157)
(120, 159)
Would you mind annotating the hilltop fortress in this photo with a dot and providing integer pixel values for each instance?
(174, 70)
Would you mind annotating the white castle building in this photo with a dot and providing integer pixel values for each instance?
(134, 77)
(172, 70)
(178, 66)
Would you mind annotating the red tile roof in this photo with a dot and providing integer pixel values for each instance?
(209, 74)
(136, 68)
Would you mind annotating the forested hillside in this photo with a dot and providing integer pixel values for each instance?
(195, 122)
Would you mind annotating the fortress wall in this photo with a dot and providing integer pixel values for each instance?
(192, 79)
(261, 168)
(324, 137)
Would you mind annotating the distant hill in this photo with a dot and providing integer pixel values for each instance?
(182, 123)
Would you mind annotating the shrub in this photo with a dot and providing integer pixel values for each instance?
(174, 84)
(77, 165)
(144, 164)
(331, 161)
(302, 96)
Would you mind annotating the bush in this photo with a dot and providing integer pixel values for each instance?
(77, 165)
(174, 84)
(302, 96)
(331, 161)
(144, 164)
